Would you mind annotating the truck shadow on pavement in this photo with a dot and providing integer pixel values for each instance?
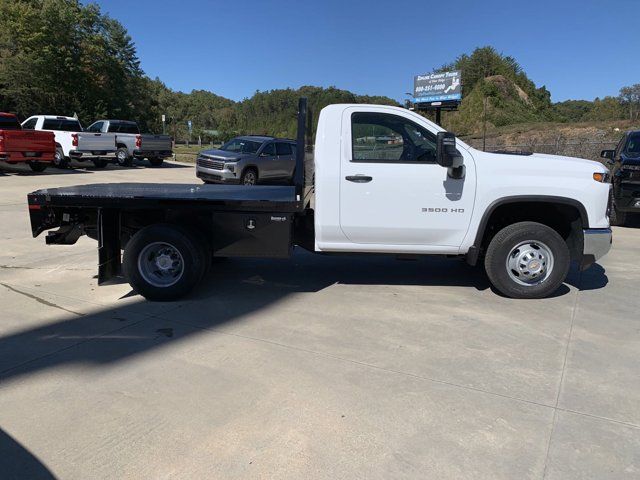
(17, 463)
(234, 290)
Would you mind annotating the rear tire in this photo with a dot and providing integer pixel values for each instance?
(59, 160)
(156, 162)
(249, 177)
(527, 260)
(164, 262)
(123, 158)
(37, 166)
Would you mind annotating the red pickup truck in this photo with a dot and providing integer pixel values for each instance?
(35, 148)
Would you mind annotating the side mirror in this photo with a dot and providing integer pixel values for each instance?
(609, 154)
(448, 156)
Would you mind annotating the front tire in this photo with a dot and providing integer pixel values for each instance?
(164, 262)
(249, 177)
(527, 260)
(616, 217)
(37, 166)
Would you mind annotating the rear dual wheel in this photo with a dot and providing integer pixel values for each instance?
(123, 158)
(527, 260)
(59, 160)
(37, 166)
(165, 262)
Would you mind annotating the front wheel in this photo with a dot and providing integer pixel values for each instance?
(616, 217)
(527, 260)
(37, 166)
(249, 177)
(164, 262)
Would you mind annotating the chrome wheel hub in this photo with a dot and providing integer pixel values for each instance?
(530, 263)
(160, 264)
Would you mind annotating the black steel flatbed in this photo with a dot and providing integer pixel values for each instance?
(214, 220)
(153, 195)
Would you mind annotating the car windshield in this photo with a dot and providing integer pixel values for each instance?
(9, 123)
(241, 145)
(633, 146)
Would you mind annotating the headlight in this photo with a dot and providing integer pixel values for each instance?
(230, 166)
(602, 177)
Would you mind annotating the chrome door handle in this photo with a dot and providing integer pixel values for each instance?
(358, 178)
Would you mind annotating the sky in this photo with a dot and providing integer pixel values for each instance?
(578, 49)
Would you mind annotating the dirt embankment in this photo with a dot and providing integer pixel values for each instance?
(584, 140)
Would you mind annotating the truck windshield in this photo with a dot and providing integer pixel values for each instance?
(9, 123)
(633, 145)
(240, 145)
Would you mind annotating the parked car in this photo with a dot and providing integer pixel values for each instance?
(37, 149)
(248, 160)
(133, 144)
(431, 194)
(624, 163)
(72, 143)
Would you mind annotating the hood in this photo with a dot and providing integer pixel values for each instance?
(223, 154)
(539, 161)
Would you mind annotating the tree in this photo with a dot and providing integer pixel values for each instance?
(630, 96)
(60, 56)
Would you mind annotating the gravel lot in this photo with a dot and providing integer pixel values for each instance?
(313, 367)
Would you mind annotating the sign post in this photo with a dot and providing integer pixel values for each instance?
(437, 91)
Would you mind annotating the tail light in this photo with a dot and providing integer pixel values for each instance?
(74, 139)
(138, 141)
(1, 142)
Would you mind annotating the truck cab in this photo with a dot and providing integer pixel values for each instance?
(380, 180)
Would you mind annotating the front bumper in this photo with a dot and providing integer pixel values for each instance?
(218, 176)
(597, 243)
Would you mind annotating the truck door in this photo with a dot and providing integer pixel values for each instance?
(286, 160)
(391, 190)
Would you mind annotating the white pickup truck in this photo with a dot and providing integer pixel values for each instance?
(72, 143)
(385, 181)
(133, 144)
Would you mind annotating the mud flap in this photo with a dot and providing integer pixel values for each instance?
(109, 256)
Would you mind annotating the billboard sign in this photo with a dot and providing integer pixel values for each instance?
(437, 87)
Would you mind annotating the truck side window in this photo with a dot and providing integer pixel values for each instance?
(386, 138)
(283, 149)
(96, 127)
(269, 150)
(30, 124)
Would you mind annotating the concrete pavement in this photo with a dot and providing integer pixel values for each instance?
(314, 367)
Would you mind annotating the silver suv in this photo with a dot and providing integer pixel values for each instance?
(248, 160)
